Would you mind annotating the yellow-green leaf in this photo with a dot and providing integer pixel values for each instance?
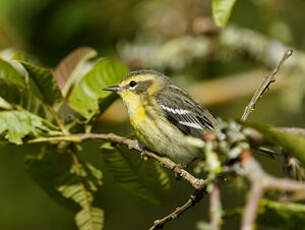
(222, 11)
(294, 145)
(145, 179)
(88, 97)
(15, 125)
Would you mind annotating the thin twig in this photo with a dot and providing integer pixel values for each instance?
(264, 86)
(197, 183)
(194, 199)
(215, 207)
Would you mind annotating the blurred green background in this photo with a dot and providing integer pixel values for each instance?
(177, 37)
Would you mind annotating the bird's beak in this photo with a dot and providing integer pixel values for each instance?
(112, 88)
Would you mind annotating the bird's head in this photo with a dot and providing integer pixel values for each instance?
(140, 83)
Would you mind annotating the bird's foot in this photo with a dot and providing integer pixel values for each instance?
(178, 171)
(144, 156)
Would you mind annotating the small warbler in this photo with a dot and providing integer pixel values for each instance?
(165, 118)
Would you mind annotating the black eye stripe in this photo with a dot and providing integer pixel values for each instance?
(132, 84)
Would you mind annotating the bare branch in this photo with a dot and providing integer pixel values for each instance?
(197, 183)
(194, 199)
(264, 86)
(215, 207)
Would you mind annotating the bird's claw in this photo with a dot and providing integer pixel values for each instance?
(144, 156)
(177, 170)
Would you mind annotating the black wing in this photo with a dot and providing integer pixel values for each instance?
(185, 113)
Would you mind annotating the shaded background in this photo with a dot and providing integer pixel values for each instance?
(176, 37)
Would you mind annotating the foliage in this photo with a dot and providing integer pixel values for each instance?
(144, 179)
(32, 100)
(18, 124)
(222, 10)
(61, 174)
(87, 97)
(292, 143)
(276, 214)
(38, 103)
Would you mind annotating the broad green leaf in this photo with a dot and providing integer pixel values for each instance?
(90, 219)
(278, 215)
(45, 83)
(4, 105)
(46, 169)
(71, 66)
(294, 145)
(15, 125)
(19, 57)
(9, 73)
(17, 90)
(222, 11)
(282, 215)
(70, 182)
(145, 179)
(88, 97)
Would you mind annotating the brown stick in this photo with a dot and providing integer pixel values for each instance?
(194, 199)
(197, 183)
(264, 86)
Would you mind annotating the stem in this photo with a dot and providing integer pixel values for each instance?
(264, 86)
(194, 199)
(197, 183)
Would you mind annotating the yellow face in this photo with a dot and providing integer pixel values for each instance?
(137, 86)
(134, 89)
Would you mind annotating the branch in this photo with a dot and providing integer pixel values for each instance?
(264, 86)
(261, 182)
(194, 199)
(215, 207)
(197, 183)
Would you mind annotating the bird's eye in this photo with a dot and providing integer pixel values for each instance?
(132, 84)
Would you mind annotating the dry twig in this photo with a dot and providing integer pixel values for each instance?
(194, 199)
(197, 183)
(264, 86)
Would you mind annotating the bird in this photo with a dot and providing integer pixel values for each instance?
(165, 118)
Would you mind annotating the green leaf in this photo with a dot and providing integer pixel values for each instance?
(279, 215)
(85, 221)
(222, 11)
(47, 169)
(145, 179)
(70, 182)
(17, 90)
(45, 83)
(294, 145)
(15, 125)
(4, 105)
(70, 67)
(282, 215)
(88, 97)
(8, 72)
